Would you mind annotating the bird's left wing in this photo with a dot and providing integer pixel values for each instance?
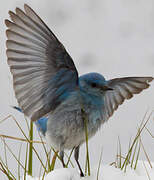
(123, 88)
(43, 72)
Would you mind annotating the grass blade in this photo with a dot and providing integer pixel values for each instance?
(6, 172)
(85, 119)
(69, 157)
(146, 155)
(133, 157)
(9, 149)
(134, 142)
(99, 165)
(146, 171)
(137, 157)
(30, 161)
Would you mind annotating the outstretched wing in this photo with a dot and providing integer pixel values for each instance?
(123, 88)
(43, 72)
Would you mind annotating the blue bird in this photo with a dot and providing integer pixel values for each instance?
(50, 91)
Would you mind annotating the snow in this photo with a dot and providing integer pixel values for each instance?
(106, 172)
(58, 174)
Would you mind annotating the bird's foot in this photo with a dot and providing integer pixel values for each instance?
(81, 174)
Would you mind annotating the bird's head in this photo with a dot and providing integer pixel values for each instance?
(93, 83)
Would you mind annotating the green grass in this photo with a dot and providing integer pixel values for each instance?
(25, 165)
(30, 158)
(135, 146)
(47, 164)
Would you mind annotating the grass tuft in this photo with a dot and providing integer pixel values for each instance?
(25, 164)
(132, 157)
(23, 169)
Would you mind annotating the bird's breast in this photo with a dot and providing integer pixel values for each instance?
(66, 125)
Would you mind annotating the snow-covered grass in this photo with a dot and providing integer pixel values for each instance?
(107, 172)
(127, 166)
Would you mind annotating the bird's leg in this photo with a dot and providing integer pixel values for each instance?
(62, 158)
(76, 156)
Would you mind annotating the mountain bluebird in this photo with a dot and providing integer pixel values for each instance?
(50, 91)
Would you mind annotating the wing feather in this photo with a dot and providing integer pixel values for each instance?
(123, 88)
(41, 67)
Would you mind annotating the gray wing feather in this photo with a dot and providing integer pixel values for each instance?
(123, 88)
(35, 57)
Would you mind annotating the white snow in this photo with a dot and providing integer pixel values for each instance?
(106, 172)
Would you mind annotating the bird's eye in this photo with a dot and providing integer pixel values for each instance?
(94, 85)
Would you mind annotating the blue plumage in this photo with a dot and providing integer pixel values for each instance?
(40, 123)
(49, 90)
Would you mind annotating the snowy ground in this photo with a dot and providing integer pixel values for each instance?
(106, 172)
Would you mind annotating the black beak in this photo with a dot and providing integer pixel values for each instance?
(109, 89)
(106, 88)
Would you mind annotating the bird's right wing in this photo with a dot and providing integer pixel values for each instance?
(43, 72)
(123, 88)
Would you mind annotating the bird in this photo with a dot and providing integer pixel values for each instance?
(49, 89)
